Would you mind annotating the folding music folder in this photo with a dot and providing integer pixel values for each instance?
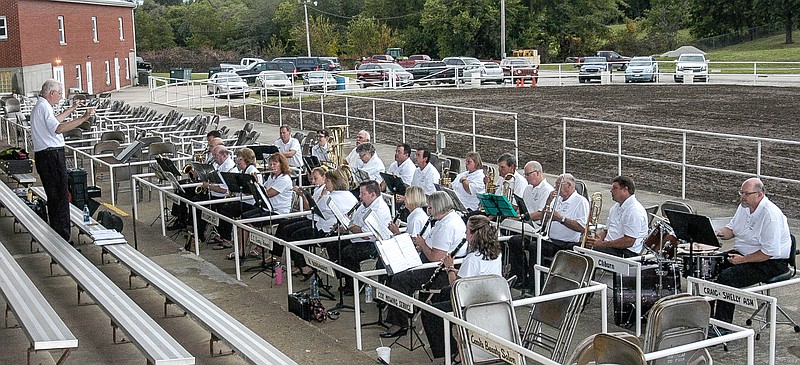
(313, 204)
(497, 205)
(206, 172)
(167, 165)
(452, 194)
(394, 183)
(237, 182)
(343, 220)
(263, 151)
(258, 192)
(379, 229)
(398, 253)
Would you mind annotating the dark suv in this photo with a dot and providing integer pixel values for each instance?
(249, 74)
(306, 64)
(428, 72)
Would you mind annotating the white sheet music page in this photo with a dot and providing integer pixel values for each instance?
(343, 219)
(398, 253)
(381, 231)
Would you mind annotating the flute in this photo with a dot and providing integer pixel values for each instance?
(439, 269)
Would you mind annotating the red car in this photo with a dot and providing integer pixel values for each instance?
(516, 68)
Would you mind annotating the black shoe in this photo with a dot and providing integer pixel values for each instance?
(399, 331)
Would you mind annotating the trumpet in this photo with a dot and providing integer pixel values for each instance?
(595, 206)
(491, 188)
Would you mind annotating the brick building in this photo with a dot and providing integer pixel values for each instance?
(86, 44)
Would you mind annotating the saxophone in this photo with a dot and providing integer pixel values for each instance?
(595, 206)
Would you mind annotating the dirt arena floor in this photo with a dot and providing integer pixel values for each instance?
(765, 112)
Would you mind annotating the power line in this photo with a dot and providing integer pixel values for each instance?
(354, 17)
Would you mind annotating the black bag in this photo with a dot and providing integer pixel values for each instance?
(300, 305)
(13, 153)
(110, 220)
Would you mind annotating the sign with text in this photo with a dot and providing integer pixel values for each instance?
(210, 218)
(728, 294)
(607, 262)
(319, 265)
(261, 241)
(394, 301)
(500, 351)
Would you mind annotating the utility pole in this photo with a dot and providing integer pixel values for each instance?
(308, 33)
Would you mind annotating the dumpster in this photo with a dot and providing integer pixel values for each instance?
(177, 73)
(213, 70)
(341, 83)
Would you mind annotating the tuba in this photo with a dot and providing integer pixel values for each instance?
(336, 144)
(491, 188)
(595, 206)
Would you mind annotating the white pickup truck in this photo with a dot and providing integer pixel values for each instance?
(691, 62)
(243, 64)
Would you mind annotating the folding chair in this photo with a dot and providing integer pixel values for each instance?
(765, 307)
(676, 206)
(580, 188)
(584, 352)
(484, 301)
(552, 323)
(118, 136)
(651, 212)
(610, 349)
(677, 320)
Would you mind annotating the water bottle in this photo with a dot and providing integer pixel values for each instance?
(314, 288)
(279, 275)
(86, 216)
(368, 294)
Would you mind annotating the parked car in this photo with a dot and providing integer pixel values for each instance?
(335, 62)
(243, 64)
(413, 60)
(306, 64)
(327, 65)
(141, 64)
(428, 72)
(692, 61)
(255, 69)
(275, 82)
(379, 74)
(642, 69)
(519, 68)
(227, 84)
(319, 80)
(592, 69)
(456, 66)
(486, 71)
(292, 60)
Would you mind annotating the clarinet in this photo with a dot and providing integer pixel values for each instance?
(439, 269)
(425, 227)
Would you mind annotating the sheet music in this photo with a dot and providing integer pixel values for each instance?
(381, 231)
(343, 219)
(360, 176)
(398, 253)
(450, 192)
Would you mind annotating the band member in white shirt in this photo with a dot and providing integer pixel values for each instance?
(417, 216)
(402, 167)
(426, 174)
(246, 164)
(320, 150)
(222, 163)
(626, 228)
(507, 173)
(289, 147)
(361, 137)
(369, 162)
(469, 183)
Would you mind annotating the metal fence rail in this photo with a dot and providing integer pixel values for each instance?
(681, 161)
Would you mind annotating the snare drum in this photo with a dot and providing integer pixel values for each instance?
(662, 241)
(705, 266)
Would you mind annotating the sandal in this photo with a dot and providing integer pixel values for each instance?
(223, 245)
(216, 240)
(254, 254)
(232, 256)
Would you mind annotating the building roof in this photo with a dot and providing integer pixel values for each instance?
(120, 3)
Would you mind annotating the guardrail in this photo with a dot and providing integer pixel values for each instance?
(383, 117)
(682, 141)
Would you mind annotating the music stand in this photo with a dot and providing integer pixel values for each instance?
(167, 165)
(692, 228)
(394, 184)
(206, 172)
(313, 205)
(360, 176)
(456, 201)
(344, 221)
(125, 157)
(263, 151)
(237, 182)
(262, 201)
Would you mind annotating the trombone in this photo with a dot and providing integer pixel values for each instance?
(550, 210)
(595, 206)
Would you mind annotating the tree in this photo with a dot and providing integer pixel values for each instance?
(366, 36)
(323, 35)
(662, 23)
(152, 34)
(572, 27)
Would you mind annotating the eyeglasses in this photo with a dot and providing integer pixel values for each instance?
(746, 193)
(529, 173)
(320, 135)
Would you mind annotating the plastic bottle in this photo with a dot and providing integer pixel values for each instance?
(279, 275)
(86, 216)
(314, 288)
(368, 294)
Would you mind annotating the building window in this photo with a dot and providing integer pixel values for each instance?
(78, 77)
(108, 73)
(127, 69)
(121, 32)
(62, 36)
(4, 28)
(94, 29)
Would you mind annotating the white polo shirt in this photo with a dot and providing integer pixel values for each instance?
(281, 203)
(415, 221)
(292, 145)
(628, 219)
(43, 126)
(344, 201)
(425, 178)
(373, 167)
(447, 234)
(383, 216)
(766, 229)
(576, 207)
(535, 197)
(404, 171)
(476, 186)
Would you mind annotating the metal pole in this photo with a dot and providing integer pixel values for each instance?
(502, 29)
(308, 34)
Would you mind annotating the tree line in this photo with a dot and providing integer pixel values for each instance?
(210, 30)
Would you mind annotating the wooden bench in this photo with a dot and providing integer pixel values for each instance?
(220, 324)
(42, 325)
(152, 340)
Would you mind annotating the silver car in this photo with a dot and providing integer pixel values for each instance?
(275, 82)
(642, 69)
(319, 80)
(227, 84)
(486, 71)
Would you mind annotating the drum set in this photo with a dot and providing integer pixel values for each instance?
(661, 275)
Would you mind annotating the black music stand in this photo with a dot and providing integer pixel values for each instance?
(344, 221)
(167, 165)
(394, 184)
(456, 201)
(263, 151)
(206, 172)
(125, 157)
(262, 201)
(692, 228)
